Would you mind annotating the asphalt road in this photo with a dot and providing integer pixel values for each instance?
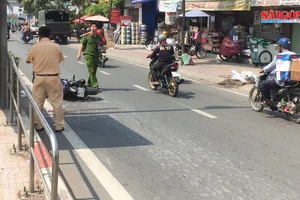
(130, 142)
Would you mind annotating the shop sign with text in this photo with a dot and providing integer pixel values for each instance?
(227, 5)
(280, 16)
(115, 16)
(275, 2)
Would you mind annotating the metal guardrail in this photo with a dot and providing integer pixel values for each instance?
(13, 74)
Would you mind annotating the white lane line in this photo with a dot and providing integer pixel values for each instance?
(140, 87)
(65, 56)
(81, 63)
(190, 79)
(194, 110)
(108, 181)
(106, 73)
(204, 113)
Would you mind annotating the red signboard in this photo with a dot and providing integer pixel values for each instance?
(125, 20)
(115, 16)
(280, 16)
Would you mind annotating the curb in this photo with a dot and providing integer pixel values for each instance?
(43, 155)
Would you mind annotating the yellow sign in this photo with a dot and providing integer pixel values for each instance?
(231, 5)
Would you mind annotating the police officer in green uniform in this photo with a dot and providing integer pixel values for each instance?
(89, 45)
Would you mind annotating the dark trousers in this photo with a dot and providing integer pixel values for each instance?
(266, 87)
(157, 67)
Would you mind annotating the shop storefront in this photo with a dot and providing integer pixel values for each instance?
(276, 19)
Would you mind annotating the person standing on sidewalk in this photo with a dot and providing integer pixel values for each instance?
(89, 45)
(46, 57)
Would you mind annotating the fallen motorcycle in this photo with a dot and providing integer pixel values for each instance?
(286, 99)
(77, 88)
(169, 77)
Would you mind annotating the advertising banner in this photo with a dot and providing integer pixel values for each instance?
(275, 2)
(115, 16)
(280, 16)
(227, 5)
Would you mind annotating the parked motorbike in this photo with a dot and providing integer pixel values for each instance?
(229, 50)
(194, 49)
(77, 88)
(286, 99)
(169, 77)
(102, 55)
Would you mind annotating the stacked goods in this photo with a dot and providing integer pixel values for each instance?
(284, 64)
(123, 35)
(135, 33)
(143, 34)
(128, 35)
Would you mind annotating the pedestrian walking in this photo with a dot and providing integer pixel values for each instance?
(46, 57)
(89, 45)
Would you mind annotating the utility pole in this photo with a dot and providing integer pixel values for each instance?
(3, 51)
(111, 2)
(182, 30)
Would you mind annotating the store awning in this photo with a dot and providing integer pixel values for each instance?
(228, 5)
(168, 5)
(195, 13)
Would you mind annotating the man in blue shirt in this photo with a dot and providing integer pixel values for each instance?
(273, 83)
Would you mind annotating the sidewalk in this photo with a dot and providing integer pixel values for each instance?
(211, 70)
(14, 168)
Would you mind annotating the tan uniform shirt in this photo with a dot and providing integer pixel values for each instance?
(26, 28)
(45, 57)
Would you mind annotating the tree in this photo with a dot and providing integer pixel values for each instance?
(104, 8)
(34, 6)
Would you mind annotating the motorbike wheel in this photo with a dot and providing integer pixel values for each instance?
(255, 100)
(150, 79)
(101, 63)
(201, 53)
(234, 58)
(173, 87)
(295, 98)
(224, 58)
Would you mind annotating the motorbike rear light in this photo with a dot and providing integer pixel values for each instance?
(175, 66)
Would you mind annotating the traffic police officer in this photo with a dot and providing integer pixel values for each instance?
(46, 57)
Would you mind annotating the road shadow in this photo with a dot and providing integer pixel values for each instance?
(117, 89)
(185, 95)
(274, 114)
(97, 131)
(187, 82)
(86, 99)
(110, 66)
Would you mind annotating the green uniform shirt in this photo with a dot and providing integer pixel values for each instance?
(90, 44)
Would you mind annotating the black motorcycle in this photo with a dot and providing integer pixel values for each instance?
(194, 49)
(77, 88)
(285, 99)
(169, 77)
(102, 55)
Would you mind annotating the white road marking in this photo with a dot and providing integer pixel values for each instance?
(108, 181)
(81, 63)
(140, 87)
(204, 113)
(190, 79)
(65, 56)
(106, 73)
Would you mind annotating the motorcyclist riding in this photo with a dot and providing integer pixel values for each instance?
(25, 30)
(273, 83)
(165, 53)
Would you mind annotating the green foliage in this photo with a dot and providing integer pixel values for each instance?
(104, 8)
(34, 6)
